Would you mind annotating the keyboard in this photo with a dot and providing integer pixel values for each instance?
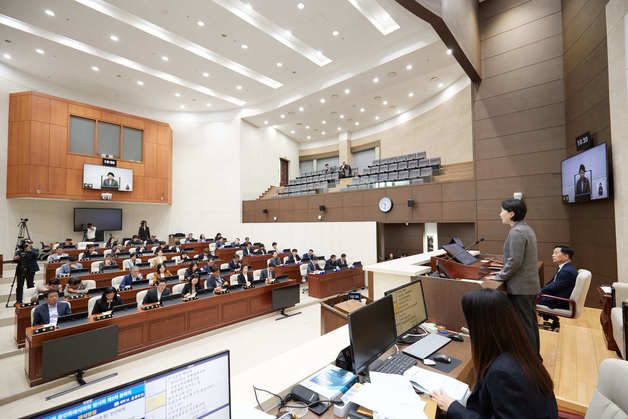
(396, 364)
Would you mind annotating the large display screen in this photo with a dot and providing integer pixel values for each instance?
(105, 177)
(585, 176)
(199, 389)
(105, 219)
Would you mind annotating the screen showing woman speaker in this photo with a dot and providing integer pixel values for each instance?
(104, 177)
(585, 176)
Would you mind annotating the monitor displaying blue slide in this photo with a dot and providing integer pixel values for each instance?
(199, 389)
(585, 176)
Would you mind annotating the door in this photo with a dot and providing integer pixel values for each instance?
(284, 172)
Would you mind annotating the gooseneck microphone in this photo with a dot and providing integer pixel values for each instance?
(475, 244)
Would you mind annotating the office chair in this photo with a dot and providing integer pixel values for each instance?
(619, 316)
(178, 288)
(575, 300)
(90, 304)
(610, 398)
(139, 297)
(116, 281)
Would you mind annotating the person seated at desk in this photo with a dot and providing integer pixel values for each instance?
(312, 266)
(202, 238)
(161, 272)
(274, 248)
(109, 261)
(261, 250)
(191, 286)
(342, 263)
(268, 275)
(308, 256)
(235, 264)
(243, 277)
(131, 277)
(155, 294)
(246, 241)
(57, 255)
(215, 281)
(511, 380)
(330, 264)
(294, 257)
(66, 268)
(106, 302)
(217, 237)
(160, 258)
(75, 287)
(192, 270)
(248, 249)
(118, 249)
(190, 238)
(50, 311)
(135, 239)
(133, 260)
(152, 240)
(236, 243)
(67, 244)
(275, 260)
(562, 284)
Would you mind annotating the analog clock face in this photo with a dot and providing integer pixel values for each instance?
(385, 204)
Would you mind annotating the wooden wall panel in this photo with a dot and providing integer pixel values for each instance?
(58, 180)
(40, 109)
(39, 143)
(59, 113)
(22, 142)
(58, 146)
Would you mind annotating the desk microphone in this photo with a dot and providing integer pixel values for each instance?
(475, 244)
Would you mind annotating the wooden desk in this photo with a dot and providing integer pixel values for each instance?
(226, 253)
(331, 317)
(143, 330)
(332, 283)
(292, 270)
(605, 319)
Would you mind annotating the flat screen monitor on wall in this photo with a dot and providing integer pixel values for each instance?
(107, 178)
(585, 176)
(105, 219)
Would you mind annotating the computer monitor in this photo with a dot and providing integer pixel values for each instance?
(409, 306)
(199, 388)
(371, 332)
(285, 297)
(459, 253)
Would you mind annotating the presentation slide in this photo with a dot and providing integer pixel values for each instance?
(585, 176)
(105, 177)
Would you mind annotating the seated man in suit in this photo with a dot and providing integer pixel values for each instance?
(312, 265)
(308, 256)
(248, 249)
(235, 264)
(268, 275)
(57, 255)
(294, 257)
(53, 285)
(66, 268)
(131, 277)
(221, 242)
(261, 250)
(342, 263)
(563, 282)
(330, 264)
(67, 244)
(275, 260)
(155, 294)
(133, 260)
(274, 248)
(236, 243)
(50, 311)
(215, 281)
(243, 277)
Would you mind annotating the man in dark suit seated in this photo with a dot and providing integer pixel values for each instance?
(235, 264)
(131, 277)
(50, 311)
(274, 248)
(294, 257)
(330, 264)
(342, 263)
(562, 284)
(214, 281)
(243, 277)
(308, 256)
(248, 249)
(261, 250)
(156, 293)
(268, 275)
(275, 260)
(312, 266)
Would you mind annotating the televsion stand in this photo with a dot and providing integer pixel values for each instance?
(81, 383)
(285, 316)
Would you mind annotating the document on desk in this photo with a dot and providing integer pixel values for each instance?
(390, 396)
(432, 381)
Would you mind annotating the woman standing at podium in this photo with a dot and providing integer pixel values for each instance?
(520, 272)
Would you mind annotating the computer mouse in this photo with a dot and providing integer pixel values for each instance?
(457, 337)
(442, 358)
(429, 362)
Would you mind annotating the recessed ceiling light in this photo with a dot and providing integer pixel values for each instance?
(385, 103)
(279, 64)
(335, 33)
(164, 58)
(309, 137)
(114, 38)
(361, 109)
(40, 51)
(181, 106)
(292, 132)
(322, 100)
(282, 116)
(140, 83)
(375, 79)
(307, 127)
(398, 111)
(200, 23)
(450, 51)
(301, 109)
(208, 105)
(323, 122)
(94, 68)
(356, 123)
(265, 122)
(7, 56)
(206, 74)
(49, 12)
(177, 94)
(411, 94)
(440, 85)
(323, 132)
(339, 128)
(376, 118)
(341, 116)
(239, 87)
(409, 67)
(300, 6)
(347, 91)
(244, 46)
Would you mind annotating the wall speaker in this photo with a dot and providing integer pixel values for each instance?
(411, 203)
(322, 208)
(264, 211)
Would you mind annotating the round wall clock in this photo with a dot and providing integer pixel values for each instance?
(385, 204)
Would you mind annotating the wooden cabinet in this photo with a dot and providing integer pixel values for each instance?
(39, 163)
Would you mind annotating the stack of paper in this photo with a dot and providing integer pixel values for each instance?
(432, 381)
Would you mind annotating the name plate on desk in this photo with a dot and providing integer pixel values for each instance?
(225, 291)
(151, 306)
(103, 316)
(192, 298)
(48, 328)
(74, 297)
(23, 305)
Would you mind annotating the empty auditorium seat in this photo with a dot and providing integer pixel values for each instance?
(402, 165)
(413, 164)
(403, 175)
(415, 173)
(392, 176)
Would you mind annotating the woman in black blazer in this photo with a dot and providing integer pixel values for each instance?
(511, 379)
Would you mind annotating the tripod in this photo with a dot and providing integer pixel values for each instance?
(22, 234)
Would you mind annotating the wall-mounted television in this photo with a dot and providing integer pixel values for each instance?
(109, 178)
(105, 219)
(585, 176)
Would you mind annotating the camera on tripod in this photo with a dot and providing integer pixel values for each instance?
(23, 220)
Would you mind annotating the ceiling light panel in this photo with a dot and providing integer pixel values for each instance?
(282, 35)
(125, 62)
(165, 35)
(376, 14)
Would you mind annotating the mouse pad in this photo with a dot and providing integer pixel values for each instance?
(441, 366)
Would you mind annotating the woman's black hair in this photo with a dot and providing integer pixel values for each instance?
(517, 206)
(109, 290)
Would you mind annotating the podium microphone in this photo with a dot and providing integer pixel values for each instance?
(475, 244)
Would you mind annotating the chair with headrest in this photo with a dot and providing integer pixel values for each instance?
(224, 266)
(181, 273)
(256, 274)
(303, 270)
(610, 398)
(177, 288)
(91, 303)
(58, 271)
(90, 284)
(139, 297)
(575, 300)
(96, 266)
(619, 316)
(107, 252)
(240, 253)
(116, 281)
(151, 277)
(132, 250)
(321, 264)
